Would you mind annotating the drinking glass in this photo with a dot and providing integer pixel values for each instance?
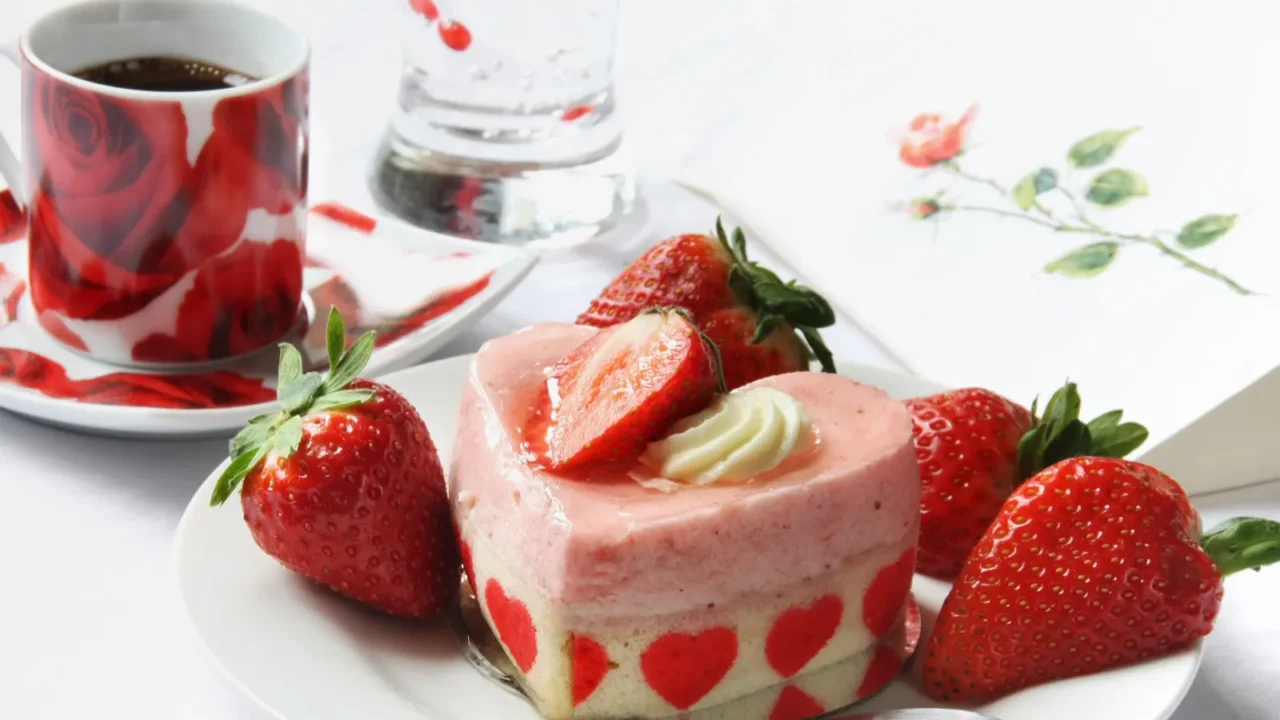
(506, 127)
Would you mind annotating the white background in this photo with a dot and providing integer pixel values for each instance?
(90, 624)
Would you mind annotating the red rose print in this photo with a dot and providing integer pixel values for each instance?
(105, 174)
(337, 294)
(11, 289)
(353, 219)
(240, 301)
(60, 332)
(930, 140)
(254, 159)
(13, 222)
(179, 392)
(120, 215)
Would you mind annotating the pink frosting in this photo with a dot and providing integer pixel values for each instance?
(611, 546)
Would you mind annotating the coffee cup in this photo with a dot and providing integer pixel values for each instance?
(164, 178)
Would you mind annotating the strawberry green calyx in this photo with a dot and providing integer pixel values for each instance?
(775, 301)
(1061, 434)
(1243, 543)
(299, 395)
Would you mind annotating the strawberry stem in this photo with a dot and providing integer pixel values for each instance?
(1243, 543)
(299, 394)
(774, 300)
(1061, 434)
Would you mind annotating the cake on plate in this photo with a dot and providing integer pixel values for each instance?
(770, 535)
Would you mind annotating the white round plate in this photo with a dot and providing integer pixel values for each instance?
(304, 653)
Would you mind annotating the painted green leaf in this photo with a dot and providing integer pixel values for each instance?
(1084, 261)
(1099, 147)
(1046, 179)
(1205, 230)
(1037, 183)
(1024, 193)
(1116, 187)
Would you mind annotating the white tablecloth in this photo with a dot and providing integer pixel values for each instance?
(90, 622)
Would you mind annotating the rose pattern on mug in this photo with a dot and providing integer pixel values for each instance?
(166, 231)
(13, 221)
(339, 233)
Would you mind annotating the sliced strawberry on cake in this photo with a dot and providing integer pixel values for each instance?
(623, 387)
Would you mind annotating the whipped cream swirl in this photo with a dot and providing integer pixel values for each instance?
(742, 434)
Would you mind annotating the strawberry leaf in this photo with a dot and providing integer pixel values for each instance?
(1106, 423)
(235, 473)
(290, 364)
(1243, 543)
(1060, 434)
(765, 324)
(335, 337)
(1063, 407)
(1072, 440)
(1120, 441)
(819, 348)
(297, 395)
(285, 440)
(341, 400)
(1031, 451)
(252, 435)
(350, 364)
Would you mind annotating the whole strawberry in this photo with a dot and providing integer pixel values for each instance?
(622, 388)
(746, 359)
(1091, 564)
(344, 485)
(748, 305)
(974, 447)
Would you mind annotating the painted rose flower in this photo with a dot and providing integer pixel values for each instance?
(240, 301)
(923, 208)
(13, 221)
(126, 208)
(105, 174)
(931, 140)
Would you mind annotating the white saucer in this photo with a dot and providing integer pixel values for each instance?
(418, 289)
(304, 653)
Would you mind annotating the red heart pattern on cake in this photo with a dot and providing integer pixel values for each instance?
(884, 667)
(590, 664)
(886, 593)
(795, 704)
(682, 667)
(465, 551)
(515, 627)
(799, 633)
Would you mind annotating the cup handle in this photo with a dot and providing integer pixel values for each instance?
(9, 168)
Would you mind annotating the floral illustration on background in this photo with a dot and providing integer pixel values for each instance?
(935, 144)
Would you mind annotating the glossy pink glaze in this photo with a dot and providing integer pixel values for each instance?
(612, 547)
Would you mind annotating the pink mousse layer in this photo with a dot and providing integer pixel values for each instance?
(611, 547)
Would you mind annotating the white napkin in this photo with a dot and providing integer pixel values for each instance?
(811, 164)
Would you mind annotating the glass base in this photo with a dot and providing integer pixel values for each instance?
(518, 203)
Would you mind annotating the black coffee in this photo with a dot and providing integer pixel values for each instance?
(163, 74)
